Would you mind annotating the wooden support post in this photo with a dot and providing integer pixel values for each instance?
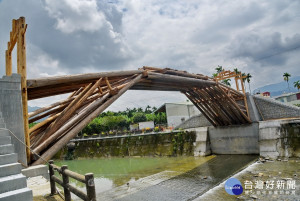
(8, 63)
(21, 68)
(52, 182)
(65, 178)
(90, 186)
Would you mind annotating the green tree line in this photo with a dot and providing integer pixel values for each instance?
(120, 121)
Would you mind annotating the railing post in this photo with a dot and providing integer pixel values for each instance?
(90, 186)
(66, 182)
(52, 182)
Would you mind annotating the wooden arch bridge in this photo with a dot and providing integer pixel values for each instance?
(91, 94)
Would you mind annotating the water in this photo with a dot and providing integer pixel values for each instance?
(154, 178)
(113, 172)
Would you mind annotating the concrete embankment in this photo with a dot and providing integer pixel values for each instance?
(156, 144)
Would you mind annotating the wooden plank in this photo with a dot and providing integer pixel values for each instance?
(39, 125)
(74, 121)
(217, 105)
(208, 107)
(43, 109)
(235, 105)
(205, 108)
(200, 109)
(47, 155)
(224, 105)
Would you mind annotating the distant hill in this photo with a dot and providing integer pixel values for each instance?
(279, 88)
(31, 109)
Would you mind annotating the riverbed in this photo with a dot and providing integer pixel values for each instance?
(157, 178)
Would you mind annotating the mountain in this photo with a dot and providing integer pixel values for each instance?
(31, 109)
(279, 88)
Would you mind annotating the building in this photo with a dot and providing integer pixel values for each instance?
(289, 98)
(266, 94)
(178, 112)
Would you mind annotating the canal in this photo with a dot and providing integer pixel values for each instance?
(157, 178)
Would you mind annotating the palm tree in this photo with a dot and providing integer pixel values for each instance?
(244, 79)
(236, 71)
(219, 69)
(215, 74)
(226, 82)
(248, 80)
(297, 84)
(286, 78)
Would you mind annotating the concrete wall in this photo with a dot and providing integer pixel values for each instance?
(279, 138)
(156, 144)
(272, 109)
(177, 113)
(241, 139)
(202, 143)
(11, 108)
(194, 122)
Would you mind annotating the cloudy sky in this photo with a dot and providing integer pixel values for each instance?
(80, 36)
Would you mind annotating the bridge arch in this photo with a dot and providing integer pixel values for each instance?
(92, 93)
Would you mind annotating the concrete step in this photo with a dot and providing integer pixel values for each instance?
(7, 149)
(12, 182)
(10, 169)
(8, 158)
(4, 132)
(2, 125)
(5, 140)
(23, 194)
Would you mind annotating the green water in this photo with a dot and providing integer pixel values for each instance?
(113, 172)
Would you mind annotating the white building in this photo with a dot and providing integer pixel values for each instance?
(289, 98)
(178, 112)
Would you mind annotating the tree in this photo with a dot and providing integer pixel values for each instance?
(139, 117)
(215, 74)
(297, 84)
(248, 80)
(219, 69)
(236, 71)
(286, 78)
(148, 109)
(226, 82)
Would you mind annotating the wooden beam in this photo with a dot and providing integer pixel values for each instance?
(21, 68)
(73, 132)
(179, 79)
(8, 63)
(200, 109)
(41, 82)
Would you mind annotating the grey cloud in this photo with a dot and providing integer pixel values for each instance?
(101, 50)
(266, 49)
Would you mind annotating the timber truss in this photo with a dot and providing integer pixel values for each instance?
(91, 94)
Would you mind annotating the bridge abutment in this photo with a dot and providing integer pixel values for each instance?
(12, 112)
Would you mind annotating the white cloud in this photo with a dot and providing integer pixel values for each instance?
(76, 15)
(81, 36)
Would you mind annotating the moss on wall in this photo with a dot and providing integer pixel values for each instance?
(169, 144)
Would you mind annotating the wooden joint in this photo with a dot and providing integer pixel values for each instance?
(114, 91)
(145, 73)
(108, 84)
(100, 90)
